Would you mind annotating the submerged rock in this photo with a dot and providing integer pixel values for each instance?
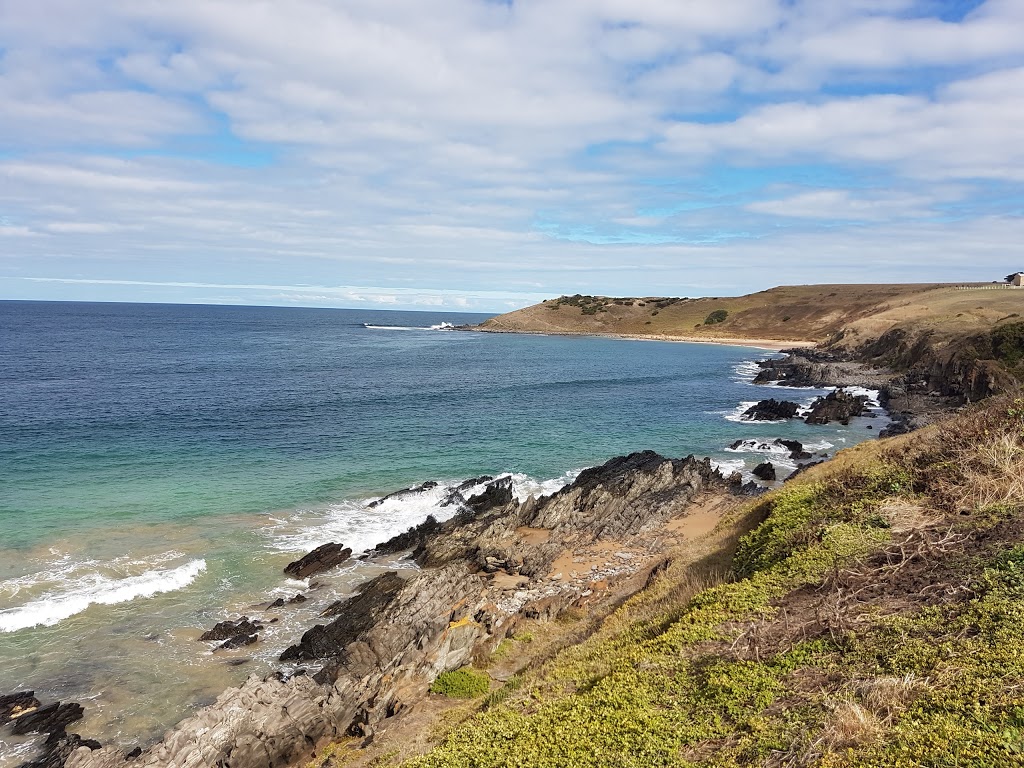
(417, 489)
(226, 630)
(321, 559)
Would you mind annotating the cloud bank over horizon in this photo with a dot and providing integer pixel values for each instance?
(481, 155)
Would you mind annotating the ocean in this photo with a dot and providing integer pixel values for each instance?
(160, 464)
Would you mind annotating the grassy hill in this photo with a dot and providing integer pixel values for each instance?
(810, 313)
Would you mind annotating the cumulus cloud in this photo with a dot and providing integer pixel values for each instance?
(539, 148)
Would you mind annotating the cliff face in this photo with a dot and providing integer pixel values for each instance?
(482, 570)
(962, 367)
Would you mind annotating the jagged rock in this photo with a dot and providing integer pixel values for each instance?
(225, 630)
(427, 486)
(771, 410)
(765, 471)
(498, 493)
(15, 705)
(322, 558)
(839, 406)
(455, 495)
(53, 718)
(412, 539)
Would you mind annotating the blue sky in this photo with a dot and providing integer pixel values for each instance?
(481, 155)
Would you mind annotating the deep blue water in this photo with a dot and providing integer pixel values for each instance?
(113, 413)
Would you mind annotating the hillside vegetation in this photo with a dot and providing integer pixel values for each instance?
(814, 313)
(870, 614)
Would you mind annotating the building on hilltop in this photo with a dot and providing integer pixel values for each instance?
(1018, 279)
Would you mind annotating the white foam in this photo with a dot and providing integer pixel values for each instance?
(760, 446)
(822, 445)
(442, 326)
(736, 414)
(524, 486)
(96, 589)
(728, 466)
(361, 527)
(746, 370)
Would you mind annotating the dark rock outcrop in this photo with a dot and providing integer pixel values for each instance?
(321, 559)
(58, 747)
(771, 410)
(227, 630)
(356, 615)
(498, 493)
(15, 705)
(838, 406)
(455, 495)
(765, 471)
(52, 718)
(413, 538)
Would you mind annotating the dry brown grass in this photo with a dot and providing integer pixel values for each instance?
(986, 464)
(850, 725)
(887, 697)
(905, 515)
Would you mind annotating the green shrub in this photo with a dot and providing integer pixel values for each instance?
(1008, 343)
(465, 683)
(718, 316)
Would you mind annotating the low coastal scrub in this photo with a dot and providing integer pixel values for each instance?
(872, 615)
(465, 683)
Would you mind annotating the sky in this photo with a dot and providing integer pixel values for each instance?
(485, 154)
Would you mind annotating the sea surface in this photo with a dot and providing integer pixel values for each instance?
(160, 464)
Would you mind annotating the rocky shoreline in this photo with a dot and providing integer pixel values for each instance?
(494, 563)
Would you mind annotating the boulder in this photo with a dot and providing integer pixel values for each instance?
(321, 559)
(765, 471)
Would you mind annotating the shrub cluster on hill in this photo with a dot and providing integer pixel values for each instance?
(718, 316)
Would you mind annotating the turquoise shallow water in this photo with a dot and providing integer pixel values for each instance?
(159, 464)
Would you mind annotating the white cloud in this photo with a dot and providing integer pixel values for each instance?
(467, 144)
